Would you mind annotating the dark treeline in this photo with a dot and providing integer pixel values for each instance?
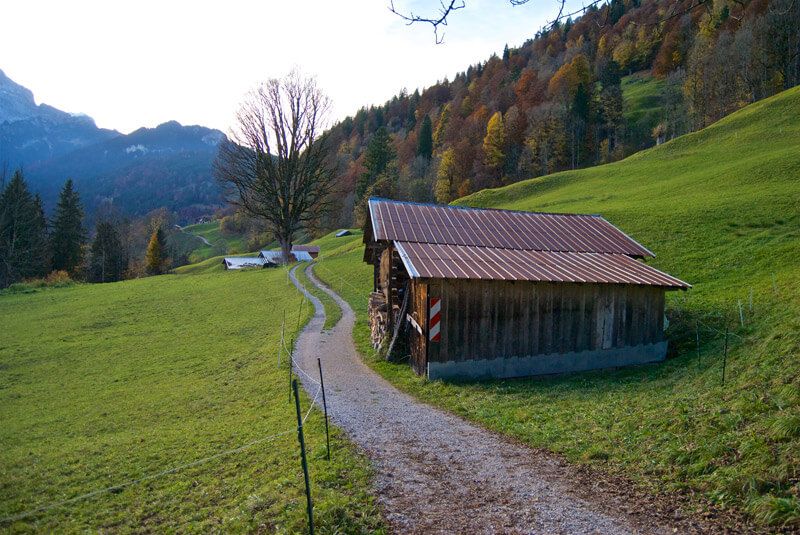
(556, 102)
(63, 248)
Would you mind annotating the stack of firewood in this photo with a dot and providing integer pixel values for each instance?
(378, 318)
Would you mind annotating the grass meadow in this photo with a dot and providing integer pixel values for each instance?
(220, 244)
(721, 210)
(106, 384)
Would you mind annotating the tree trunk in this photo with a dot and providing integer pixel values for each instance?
(286, 247)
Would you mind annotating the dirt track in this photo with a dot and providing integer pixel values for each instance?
(441, 474)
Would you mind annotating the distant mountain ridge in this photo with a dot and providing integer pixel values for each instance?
(169, 165)
(31, 133)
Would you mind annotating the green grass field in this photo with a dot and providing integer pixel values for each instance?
(721, 210)
(106, 384)
(220, 244)
(642, 109)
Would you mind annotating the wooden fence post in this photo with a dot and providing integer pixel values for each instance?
(697, 332)
(725, 356)
(303, 458)
(741, 316)
(325, 406)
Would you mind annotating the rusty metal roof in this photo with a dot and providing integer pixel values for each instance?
(435, 261)
(306, 248)
(526, 231)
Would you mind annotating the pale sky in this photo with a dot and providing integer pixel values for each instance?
(141, 63)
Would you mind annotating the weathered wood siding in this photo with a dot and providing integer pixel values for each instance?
(500, 319)
(418, 310)
(391, 279)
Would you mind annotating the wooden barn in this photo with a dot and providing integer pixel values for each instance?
(495, 293)
(312, 250)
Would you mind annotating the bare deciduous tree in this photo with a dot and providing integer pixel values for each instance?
(274, 168)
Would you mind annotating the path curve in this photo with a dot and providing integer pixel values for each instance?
(441, 474)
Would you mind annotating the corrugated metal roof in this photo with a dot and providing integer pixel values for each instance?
(435, 261)
(505, 229)
(302, 256)
(274, 257)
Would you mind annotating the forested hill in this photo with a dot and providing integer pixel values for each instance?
(622, 77)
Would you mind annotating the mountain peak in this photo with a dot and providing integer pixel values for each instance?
(169, 125)
(16, 101)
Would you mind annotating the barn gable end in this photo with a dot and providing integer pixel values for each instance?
(495, 293)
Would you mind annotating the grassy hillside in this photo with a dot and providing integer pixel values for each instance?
(106, 384)
(219, 243)
(721, 209)
(643, 108)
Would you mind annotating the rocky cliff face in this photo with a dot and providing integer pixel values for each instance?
(16, 102)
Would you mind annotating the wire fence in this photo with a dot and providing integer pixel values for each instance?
(163, 473)
(703, 322)
(294, 366)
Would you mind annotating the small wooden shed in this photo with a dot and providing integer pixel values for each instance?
(312, 250)
(495, 293)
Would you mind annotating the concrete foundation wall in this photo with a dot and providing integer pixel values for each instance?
(548, 364)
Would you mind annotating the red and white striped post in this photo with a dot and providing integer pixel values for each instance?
(436, 308)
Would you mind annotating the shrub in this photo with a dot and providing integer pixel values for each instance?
(56, 279)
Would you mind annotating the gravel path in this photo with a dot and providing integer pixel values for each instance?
(440, 474)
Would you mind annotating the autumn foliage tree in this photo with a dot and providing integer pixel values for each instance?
(446, 179)
(560, 95)
(494, 143)
(156, 259)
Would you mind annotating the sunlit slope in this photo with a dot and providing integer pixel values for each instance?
(718, 207)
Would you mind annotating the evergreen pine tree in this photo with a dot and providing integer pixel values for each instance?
(425, 138)
(40, 258)
(68, 236)
(108, 260)
(377, 156)
(156, 257)
(23, 233)
(411, 119)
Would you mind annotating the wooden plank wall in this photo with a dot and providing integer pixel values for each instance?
(495, 319)
(418, 309)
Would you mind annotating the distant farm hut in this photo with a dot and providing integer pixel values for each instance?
(343, 233)
(312, 250)
(273, 258)
(241, 262)
(495, 293)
